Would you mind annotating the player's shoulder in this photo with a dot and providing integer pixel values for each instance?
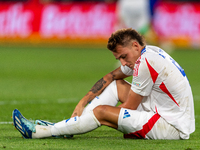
(151, 48)
(150, 52)
(153, 56)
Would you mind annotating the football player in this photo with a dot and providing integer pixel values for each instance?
(158, 104)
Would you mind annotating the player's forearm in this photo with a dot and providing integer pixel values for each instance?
(100, 85)
(97, 89)
(132, 101)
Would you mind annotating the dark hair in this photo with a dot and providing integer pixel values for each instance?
(123, 37)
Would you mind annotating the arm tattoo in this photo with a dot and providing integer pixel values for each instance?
(113, 76)
(116, 75)
(98, 86)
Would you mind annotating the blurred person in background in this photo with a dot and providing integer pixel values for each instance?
(137, 14)
(134, 14)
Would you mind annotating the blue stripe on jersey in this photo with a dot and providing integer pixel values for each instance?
(144, 50)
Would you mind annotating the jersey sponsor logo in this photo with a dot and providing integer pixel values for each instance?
(126, 114)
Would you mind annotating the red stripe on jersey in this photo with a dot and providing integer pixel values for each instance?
(164, 89)
(136, 67)
(156, 109)
(153, 73)
(141, 134)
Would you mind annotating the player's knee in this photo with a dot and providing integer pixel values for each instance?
(100, 112)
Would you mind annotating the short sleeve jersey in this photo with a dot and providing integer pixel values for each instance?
(165, 87)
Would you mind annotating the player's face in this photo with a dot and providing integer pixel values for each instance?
(128, 55)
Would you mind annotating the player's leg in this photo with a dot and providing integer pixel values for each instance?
(123, 88)
(145, 125)
(79, 125)
(101, 115)
(133, 123)
(116, 91)
(75, 125)
(107, 115)
(72, 126)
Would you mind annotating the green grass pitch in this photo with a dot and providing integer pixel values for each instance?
(47, 83)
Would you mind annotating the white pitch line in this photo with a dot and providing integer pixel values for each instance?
(10, 122)
(6, 122)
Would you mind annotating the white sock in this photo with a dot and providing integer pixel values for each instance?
(108, 97)
(85, 123)
(41, 132)
(76, 125)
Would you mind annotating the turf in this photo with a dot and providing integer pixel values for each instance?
(47, 83)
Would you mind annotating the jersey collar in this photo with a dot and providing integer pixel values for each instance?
(143, 50)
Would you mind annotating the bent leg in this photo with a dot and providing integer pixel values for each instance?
(107, 115)
(104, 114)
(101, 115)
(108, 97)
(136, 124)
(145, 125)
(117, 91)
(123, 88)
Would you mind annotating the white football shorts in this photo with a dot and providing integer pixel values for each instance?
(145, 125)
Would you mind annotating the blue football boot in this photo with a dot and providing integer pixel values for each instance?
(24, 126)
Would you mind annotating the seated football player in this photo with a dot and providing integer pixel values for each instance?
(158, 104)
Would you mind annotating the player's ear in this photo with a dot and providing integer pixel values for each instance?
(135, 44)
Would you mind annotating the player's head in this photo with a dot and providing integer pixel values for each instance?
(124, 37)
(126, 45)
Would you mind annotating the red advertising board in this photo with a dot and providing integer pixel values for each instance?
(179, 22)
(77, 20)
(56, 21)
(94, 22)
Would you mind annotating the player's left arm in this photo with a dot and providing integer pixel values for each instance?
(132, 101)
(97, 89)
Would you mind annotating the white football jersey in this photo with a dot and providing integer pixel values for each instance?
(165, 87)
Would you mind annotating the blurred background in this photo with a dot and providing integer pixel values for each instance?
(167, 23)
